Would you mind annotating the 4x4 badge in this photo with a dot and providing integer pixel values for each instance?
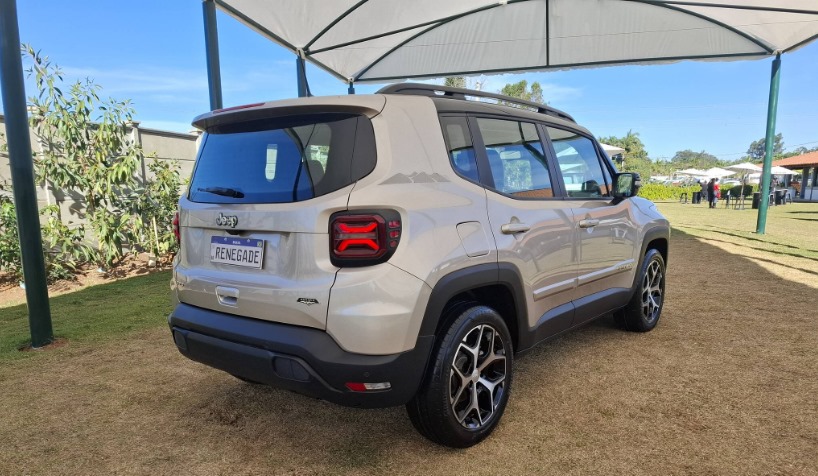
(226, 220)
(307, 301)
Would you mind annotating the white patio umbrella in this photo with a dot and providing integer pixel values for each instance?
(718, 172)
(746, 168)
(778, 170)
(693, 172)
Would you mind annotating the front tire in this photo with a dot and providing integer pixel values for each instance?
(645, 307)
(468, 384)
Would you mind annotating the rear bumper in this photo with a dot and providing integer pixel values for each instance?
(305, 360)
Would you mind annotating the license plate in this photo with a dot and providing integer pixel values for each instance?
(245, 252)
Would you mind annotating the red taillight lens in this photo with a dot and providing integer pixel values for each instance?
(358, 236)
(176, 228)
(363, 239)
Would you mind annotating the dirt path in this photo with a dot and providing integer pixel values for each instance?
(725, 385)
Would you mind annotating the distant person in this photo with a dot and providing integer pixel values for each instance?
(703, 192)
(711, 193)
(717, 192)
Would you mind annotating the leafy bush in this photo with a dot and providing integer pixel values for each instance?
(735, 191)
(10, 261)
(86, 150)
(658, 192)
(64, 247)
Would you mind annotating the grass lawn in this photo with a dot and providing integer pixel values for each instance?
(92, 315)
(726, 384)
(792, 230)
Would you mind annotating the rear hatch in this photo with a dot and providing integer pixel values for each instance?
(254, 224)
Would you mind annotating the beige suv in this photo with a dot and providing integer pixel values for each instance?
(400, 248)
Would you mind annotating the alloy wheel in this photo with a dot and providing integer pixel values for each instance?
(477, 380)
(653, 287)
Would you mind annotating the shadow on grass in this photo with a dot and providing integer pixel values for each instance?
(94, 313)
(730, 232)
(766, 250)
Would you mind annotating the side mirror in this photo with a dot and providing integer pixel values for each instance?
(626, 185)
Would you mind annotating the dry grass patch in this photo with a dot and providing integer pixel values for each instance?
(726, 384)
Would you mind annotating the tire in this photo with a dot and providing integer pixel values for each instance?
(645, 307)
(468, 382)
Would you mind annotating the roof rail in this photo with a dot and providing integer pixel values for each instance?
(434, 90)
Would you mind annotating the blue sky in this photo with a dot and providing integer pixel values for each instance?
(152, 52)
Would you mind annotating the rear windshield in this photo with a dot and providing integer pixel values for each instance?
(282, 160)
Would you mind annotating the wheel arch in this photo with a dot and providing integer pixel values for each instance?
(499, 286)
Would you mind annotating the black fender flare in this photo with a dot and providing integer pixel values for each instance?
(473, 277)
(655, 233)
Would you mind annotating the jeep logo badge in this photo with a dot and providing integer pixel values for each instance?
(225, 220)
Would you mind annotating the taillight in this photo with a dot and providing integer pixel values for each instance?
(363, 238)
(176, 228)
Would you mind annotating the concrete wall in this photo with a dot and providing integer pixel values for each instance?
(163, 145)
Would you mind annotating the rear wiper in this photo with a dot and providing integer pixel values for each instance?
(225, 192)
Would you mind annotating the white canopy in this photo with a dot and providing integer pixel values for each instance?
(612, 150)
(379, 40)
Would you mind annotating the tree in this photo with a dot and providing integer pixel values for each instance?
(87, 150)
(635, 158)
(758, 149)
(455, 82)
(521, 90)
(685, 159)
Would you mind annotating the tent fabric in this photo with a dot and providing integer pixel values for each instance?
(380, 40)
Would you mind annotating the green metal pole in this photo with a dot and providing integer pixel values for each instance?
(301, 76)
(22, 176)
(772, 108)
(214, 76)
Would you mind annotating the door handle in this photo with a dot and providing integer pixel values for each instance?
(513, 228)
(589, 223)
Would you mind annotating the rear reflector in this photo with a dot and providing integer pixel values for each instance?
(176, 232)
(368, 387)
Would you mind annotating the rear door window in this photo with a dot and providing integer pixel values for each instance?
(277, 161)
(516, 160)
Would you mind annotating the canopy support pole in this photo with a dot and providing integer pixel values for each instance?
(22, 177)
(301, 76)
(214, 76)
(772, 109)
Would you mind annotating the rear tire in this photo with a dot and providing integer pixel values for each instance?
(466, 389)
(645, 307)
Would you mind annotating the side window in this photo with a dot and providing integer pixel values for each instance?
(579, 163)
(516, 158)
(459, 145)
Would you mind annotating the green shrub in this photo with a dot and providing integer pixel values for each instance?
(735, 191)
(661, 193)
